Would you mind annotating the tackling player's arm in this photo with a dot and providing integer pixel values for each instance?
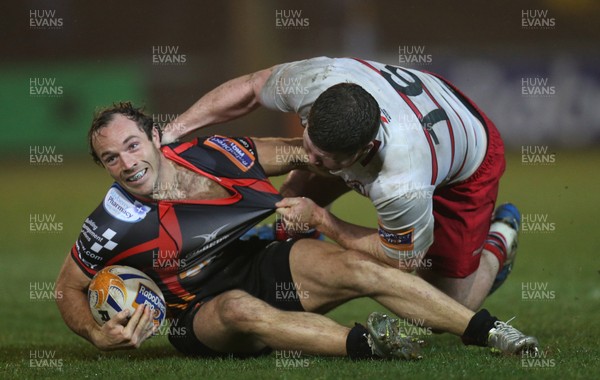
(228, 101)
(120, 332)
(348, 235)
(393, 246)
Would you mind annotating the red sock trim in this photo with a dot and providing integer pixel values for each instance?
(495, 244)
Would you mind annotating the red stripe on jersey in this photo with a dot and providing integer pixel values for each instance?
(368, 65)
(466, 149)
(434, 164)
(450, 131)
(185, 146)
(170, 239)
(144, 247)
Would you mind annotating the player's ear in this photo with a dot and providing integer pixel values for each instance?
(368, 147)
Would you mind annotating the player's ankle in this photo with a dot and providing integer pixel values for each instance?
(357, 345)
(479, 326)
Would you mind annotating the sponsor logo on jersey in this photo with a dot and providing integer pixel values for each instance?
(233, 149)
(208, 241)
(401, 240)
(385, 116)
(121, 207)
(79, 248)
(211, 236)
(109, 244)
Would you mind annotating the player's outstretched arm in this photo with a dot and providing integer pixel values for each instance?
(120, 332)
(228, 101)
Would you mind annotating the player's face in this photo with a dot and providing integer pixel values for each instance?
(329, 161)
(128, 155)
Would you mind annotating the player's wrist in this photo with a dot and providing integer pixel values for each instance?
(97, 337)
(322, 220)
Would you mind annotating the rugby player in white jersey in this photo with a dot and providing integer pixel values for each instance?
(426, 156)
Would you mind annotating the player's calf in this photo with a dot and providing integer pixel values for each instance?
(502, 240)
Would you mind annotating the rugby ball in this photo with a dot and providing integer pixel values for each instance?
(116, 288)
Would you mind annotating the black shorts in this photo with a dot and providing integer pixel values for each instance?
(260, 268)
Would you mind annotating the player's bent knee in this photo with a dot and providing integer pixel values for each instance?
(240, 311)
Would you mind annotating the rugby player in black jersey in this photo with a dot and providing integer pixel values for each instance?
(188, 204)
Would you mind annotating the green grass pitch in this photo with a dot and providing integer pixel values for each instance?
(558, 257)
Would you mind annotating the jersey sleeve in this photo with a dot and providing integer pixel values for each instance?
(406, 224)
(294, 86)
(116, 225)
(87, 247)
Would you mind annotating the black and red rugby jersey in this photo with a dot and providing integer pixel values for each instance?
(175, 242)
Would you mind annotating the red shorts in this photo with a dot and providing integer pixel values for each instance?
(463, 211)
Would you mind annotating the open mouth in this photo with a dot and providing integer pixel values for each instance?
(137, 176)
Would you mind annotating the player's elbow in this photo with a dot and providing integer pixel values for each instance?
(257, 81)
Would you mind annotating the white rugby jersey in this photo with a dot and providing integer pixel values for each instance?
(427, 138)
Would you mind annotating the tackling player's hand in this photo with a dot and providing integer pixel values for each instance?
(299, 214)
(171, 132)
(122, 332)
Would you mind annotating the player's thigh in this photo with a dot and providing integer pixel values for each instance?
(217, 324)
(331, 275)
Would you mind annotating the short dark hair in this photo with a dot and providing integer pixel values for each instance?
(105, 115)
(343, 119)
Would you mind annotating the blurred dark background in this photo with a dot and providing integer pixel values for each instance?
(63, 59)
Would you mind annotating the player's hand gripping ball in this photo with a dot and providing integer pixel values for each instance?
(116, 288)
